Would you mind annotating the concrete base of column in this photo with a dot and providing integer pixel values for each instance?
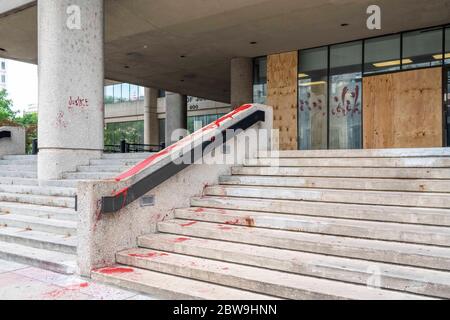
(52, 163)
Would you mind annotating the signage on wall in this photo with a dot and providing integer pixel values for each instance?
(374, 19)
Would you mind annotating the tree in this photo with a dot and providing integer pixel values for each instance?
(6, 113)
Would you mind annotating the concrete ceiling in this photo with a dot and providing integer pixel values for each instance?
(146, 39)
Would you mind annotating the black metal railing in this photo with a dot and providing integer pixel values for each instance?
(125, 147)
(117, 202)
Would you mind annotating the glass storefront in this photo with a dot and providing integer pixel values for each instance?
(312, 99)
(345, 96)
(422, 49)
(123, 92)
(382, 54)
(131, 131)
(260, 80)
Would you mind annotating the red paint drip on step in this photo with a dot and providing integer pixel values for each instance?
(179, 240)
(235, 221)
(115, 270)
(188, 224)
(198, 210)
(148, 255)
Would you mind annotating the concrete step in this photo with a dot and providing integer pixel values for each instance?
(410, 215)
(408, 199)
(67, 228)
(115, 162)
(38, 211)
(275, 283)
(439, 236)
(36, 190)
(374, 250)
(116, 169)
(18, 181)
(19, 162)
(65, 202)
(21, 157)
(31, 168)
(168, 286)
(410, 185)
(59, 183)
(408, 279)
(359, 153)
(419, 162)
(89, 175)
(137, 155)
(19, 174)
(39, 239)
(40, 258)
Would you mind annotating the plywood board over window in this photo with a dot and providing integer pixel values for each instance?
(282, 96)
(403, 110)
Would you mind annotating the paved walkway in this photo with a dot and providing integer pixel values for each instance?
(21, 282)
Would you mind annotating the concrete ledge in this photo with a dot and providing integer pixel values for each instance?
(14, 145)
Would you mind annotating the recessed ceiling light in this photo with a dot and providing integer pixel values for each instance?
(253, 42)
(344, 24)
(127, 67)
(1, 49)
(183, 56)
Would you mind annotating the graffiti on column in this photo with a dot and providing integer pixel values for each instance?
(77, 103)
(60, 122)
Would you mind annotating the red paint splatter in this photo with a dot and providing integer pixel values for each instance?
(115, 270)
(179, 240)
(189, 224)
(235, 221)
(58, 293)
(224, 228)
(84, 285)
(148, 255)
(124, 194)
(198, 210)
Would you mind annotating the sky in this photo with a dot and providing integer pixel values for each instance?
(21, 84)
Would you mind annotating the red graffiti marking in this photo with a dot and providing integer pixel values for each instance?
(77, 103)
(60, 122)
(115, 270)
(150, 160)
(179, 240)
(148, 255)
(189, 224)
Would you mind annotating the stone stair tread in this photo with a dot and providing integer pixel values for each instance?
(374, 250)
(426, 281)
(19, 181)
(38, 190)
(38, 237)
(41, 258)
(10, 219)
(5, 205)
(38, 199)
(281, 284)
(89, 175)
(412, 215)
(408, 185)
(360, 229)
(170, 286)
(409, 199)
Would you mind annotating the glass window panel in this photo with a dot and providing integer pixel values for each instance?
(422, 48)
(312, 91)
(447, 45)
(117, 93)
(382, 54)
(162, 132)
(345, 96)
(109, 95)
(260, 80)
(134, 92)
(125, 92)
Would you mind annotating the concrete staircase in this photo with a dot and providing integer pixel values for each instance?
(323, 225)
(38, 223)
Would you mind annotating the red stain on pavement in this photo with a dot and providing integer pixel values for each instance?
(235, 221)
(59, 293)
(188, 224)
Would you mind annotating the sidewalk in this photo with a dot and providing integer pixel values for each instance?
(21, 282)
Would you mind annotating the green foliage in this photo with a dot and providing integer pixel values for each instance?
(6, 112)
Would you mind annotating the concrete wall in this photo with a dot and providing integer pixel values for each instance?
(14, 145)
(102, 235)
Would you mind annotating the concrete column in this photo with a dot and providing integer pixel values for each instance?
(241, 81)
(176, 115)
(151, 124)
(71, 75)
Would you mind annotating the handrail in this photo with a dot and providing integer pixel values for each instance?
(5, 134)
(121, 199)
